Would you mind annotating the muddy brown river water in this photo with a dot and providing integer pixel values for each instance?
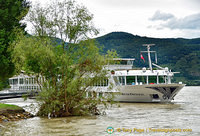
(181, 117)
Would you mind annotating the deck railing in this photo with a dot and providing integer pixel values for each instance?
(119, 67)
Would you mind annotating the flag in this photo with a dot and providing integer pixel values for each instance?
(142, 57)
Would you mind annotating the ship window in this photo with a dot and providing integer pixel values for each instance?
(102, 82)
(21, 81)
(15, 81)
(33, 80)
(122, 80)
(116, 80)
(26, 81)
(123, 62)
(129, 62)
(120, 62)
(142, 79)
(10, 82)
(130, 80)
(152, 79)
(161, 79)
(30, 80)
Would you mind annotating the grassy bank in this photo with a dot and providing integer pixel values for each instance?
(9, 107)
(12, 113)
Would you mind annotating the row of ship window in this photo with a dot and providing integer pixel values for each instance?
(123, 80)
(132, 80)
(29, 88)
(22, 81)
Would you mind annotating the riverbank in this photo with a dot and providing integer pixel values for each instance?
(12, 113)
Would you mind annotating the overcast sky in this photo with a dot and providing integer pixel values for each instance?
(151, 18)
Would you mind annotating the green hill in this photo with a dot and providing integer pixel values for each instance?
(178, 54)
(182, 55)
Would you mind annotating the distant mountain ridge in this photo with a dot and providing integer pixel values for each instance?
(177, 53)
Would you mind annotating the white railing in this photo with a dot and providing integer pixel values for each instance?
(114, 67)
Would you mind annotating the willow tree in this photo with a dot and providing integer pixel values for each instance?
(68, 69)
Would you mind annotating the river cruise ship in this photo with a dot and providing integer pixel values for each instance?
(138, 85)
(127, 83)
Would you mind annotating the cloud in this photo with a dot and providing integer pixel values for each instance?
(191, 22)
(158, 15)
(188, 22)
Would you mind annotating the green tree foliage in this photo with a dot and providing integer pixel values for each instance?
(65, 71)
(189, 65)
(65, 75)
(65, 20)
(11, 13)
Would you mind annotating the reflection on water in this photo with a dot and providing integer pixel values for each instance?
(182, 113)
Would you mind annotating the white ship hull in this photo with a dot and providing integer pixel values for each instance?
(148, 93)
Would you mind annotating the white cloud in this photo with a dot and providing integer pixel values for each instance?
(161, 16)
(172, 22)
(134, 16)
(188, 22)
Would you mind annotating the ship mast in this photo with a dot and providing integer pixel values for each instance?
(149, 54)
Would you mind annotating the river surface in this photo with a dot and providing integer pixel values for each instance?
(183, 114)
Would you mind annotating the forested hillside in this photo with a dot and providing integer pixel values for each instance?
(182, 55)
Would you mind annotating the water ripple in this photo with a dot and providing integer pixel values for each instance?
(182, 113)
